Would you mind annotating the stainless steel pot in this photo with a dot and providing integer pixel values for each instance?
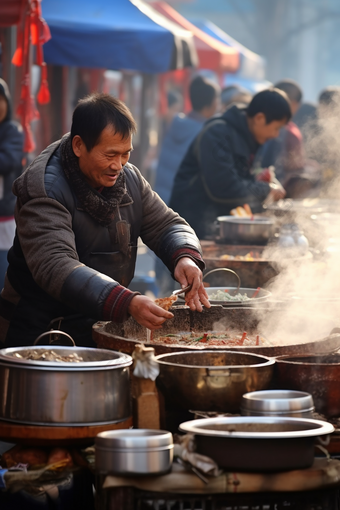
(245, 230)
(294, 404)
(134, 452)
(212, 380)
(92, 392)
(256, 443)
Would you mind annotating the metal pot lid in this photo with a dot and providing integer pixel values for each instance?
(257, 427)
(134, 439)
(91, 358)
(245, 221)
(279, 401)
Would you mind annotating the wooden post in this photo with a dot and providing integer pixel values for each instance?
(146, 414)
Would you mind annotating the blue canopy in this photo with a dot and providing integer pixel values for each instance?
(252, 65)
(114, 34)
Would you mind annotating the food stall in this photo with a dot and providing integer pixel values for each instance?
(228, 411)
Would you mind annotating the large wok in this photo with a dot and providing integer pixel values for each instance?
(124, 337)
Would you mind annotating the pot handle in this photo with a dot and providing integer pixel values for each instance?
(52, 332)
(225, 269)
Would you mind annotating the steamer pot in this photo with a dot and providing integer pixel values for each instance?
(92, 392)
(258, 443)
(245, 230)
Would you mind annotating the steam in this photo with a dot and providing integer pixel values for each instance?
(307, 290)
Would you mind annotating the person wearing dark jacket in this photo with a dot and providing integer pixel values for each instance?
(11, 156)
(80, 210)
(215, 175)
(183, 129)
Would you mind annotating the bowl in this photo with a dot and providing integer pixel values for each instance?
(134, 452)
(295, 404)
(245, 230)
(257, 443)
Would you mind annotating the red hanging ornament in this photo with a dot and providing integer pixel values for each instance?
(29, 144)
(44, 93)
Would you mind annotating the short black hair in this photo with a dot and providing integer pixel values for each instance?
(273, 103)
(330, 95)
(291, 88)
(202, 92)
(96, 111)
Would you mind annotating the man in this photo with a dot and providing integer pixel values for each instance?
(204, 96)
(11, 156)
(215, 175)
(286, 152)
(80, 210)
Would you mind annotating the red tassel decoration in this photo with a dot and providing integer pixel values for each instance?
(44, 96)
(29, 145)
(17, 59)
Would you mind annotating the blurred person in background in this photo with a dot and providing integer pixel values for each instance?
(204, 97)
(323, 137)
(215, 176)
(234, 94)
(287, 153)
(11, 157)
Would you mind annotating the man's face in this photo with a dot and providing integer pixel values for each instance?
(103, 164)
(3, 108)
(263, 131)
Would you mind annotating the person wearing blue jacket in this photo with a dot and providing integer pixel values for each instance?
(11, 156)
(204, 95)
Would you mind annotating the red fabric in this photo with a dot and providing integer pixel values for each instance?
(212, 54)
(117, 303)
(43, 95)
(192, 254)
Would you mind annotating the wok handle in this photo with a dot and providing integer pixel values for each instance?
(52, 332)
(229, 271)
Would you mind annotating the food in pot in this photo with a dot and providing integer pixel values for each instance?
(217, 338)
(223, 295)
(43, 355)
(244, 211)
(248, 257)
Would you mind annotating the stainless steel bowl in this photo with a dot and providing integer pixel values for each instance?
(134, 452)
(245, 230)
(295, 404)
(212, 380)
(258, 443)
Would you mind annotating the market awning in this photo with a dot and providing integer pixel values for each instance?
(252, 65)
(212, 54)
(115, 34)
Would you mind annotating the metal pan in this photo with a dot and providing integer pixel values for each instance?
(257, 443)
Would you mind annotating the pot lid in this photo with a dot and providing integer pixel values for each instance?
(70, 358)
(136, 439)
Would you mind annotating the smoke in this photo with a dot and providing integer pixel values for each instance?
(307, 289)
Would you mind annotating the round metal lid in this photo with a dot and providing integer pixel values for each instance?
(91, 358)
(135, 439)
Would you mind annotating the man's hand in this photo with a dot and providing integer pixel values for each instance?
(186, 273)
(276, 193)
(147, 313)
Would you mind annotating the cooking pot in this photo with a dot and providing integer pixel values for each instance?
(296, 404)
(257, 443)
(212, 380)
(318, 375)
(93, 391)
(245, 230)
(134, 452)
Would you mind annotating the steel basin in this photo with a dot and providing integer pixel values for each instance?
(258, 443)
(93, 392)
(296, 404)
(245, 230)
(212, 380)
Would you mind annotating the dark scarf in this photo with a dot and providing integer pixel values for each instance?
(101, 206)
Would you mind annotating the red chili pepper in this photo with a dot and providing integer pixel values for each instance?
(226, 290)
(205, 337)
(256, 292)
(257, 340)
